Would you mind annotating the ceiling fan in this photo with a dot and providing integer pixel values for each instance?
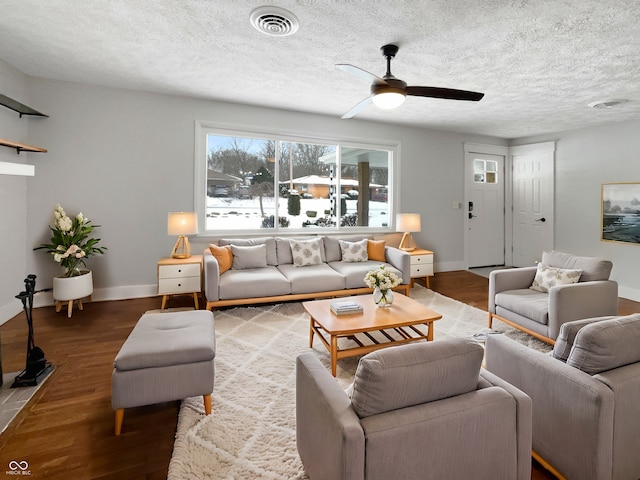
(389, 92)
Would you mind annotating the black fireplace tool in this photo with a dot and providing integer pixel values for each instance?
(36, 362)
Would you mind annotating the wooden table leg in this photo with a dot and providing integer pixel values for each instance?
(195, 300)
(164, 302)
(311, 331)
(430, 332)
(334, 354)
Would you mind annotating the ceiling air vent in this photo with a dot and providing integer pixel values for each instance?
(607, 103)
(274, 21)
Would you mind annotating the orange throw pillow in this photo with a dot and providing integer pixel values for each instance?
(223, 255)
(375, 250)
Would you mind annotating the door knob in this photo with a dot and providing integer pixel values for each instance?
(541, 219)
(471, 215)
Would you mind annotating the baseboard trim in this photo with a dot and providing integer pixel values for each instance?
(629, 293)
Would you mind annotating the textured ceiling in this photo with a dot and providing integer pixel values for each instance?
(539, 63)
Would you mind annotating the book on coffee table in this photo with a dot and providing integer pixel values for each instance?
(345, 307)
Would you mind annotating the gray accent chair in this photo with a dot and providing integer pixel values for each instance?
(586, 396)
(417, 411)
(541, 314)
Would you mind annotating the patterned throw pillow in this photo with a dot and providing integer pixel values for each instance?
(547, 277)
(306, 252)
(223, 255)
(354, 251)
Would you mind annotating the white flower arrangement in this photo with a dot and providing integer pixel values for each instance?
(71, 242)
(382, 279)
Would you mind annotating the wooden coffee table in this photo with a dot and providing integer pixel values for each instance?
(403, 322)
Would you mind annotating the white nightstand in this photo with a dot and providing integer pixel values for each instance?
(180, 276)
(421, 265)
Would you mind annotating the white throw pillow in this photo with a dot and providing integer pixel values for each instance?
(547, 277)
(254, 256)
(354, 251)
(306, 252)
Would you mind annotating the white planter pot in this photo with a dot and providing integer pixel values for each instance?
(73, 288)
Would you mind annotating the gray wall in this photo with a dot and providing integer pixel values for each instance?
(585, 159)
(13, 196)
(125, 159)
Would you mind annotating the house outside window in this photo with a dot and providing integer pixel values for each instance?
(251, 183)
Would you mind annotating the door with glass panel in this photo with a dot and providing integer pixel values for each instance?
(484, 209)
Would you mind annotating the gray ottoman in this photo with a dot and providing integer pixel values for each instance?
(168, 356)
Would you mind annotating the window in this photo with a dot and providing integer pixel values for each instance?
(485, 171)
(249, 182)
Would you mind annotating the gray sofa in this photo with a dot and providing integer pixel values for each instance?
(519, 296)
(586, 396)
(419, 411)
(277, 278)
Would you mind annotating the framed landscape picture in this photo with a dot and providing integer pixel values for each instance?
(621, 212)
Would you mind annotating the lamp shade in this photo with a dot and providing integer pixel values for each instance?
(182, 223)
(408, 222)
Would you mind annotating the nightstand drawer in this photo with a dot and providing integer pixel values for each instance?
(167, 286)
(421, 259)
(422, 270)
(182, 270)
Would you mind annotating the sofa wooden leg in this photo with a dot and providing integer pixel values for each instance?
(119, 420)
(207, 404)
(490, 319)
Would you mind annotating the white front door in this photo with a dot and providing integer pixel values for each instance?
(533, 201)
(484, 209)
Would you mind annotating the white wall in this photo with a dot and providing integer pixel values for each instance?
(125, 159)
(13, 195)
(585, 159)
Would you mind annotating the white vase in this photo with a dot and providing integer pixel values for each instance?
(382, 298)
(73, 288)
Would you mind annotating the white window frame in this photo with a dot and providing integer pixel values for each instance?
(202, 129)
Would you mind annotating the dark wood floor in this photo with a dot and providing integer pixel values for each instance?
(66, 430)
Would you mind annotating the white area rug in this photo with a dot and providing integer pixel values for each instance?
(251, 432)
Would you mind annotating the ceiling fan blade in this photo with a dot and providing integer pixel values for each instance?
(358, 72)
(359, 107)
(447, 93)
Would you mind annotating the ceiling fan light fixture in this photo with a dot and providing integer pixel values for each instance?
(388, 100)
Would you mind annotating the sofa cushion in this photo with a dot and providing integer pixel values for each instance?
(375, 250)
(606, 345)
(406, 375)
(354, 251)
(354, 272)
(332, 250)
(548, 277)
(526, 302)
(254, 256)
(223, 255)
(253, 283)
(567, 335)
(592, 268)
(306, 252)
(270, 242)
(169, 338)
(312, 278)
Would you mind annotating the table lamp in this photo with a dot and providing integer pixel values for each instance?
(407, 223)
(182, 224)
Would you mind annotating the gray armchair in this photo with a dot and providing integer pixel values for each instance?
(541, 313)
(417, 411)
(586, 408)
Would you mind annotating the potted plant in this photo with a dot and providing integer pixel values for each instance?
(71, 244)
